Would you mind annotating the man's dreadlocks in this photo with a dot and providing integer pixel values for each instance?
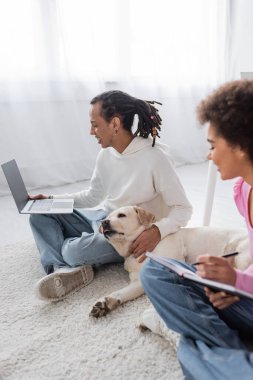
(124, 106)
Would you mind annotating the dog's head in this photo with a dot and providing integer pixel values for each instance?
(123, 225)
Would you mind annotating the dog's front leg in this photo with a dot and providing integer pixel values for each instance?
(108, 303)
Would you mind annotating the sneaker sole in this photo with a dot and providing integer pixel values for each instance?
(86, 276)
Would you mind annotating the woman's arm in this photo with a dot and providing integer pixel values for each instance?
(244, 280)
(220, 269)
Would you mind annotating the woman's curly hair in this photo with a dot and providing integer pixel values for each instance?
(230, 111)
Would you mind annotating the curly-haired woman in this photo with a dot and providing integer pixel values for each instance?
(213, 325)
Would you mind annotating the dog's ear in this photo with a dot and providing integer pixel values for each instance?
(145, 217)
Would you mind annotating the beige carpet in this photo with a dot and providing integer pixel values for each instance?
(60, 342)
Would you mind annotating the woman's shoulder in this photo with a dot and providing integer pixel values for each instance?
(241, 190)
(241, 187)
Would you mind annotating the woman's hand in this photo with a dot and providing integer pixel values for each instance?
(38, 196)
(221, 300)
(217, 269)
(145, 242)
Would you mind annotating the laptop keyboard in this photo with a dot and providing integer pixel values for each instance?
(41, 205)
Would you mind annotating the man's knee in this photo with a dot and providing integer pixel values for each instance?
(71, 255)
(35, 219)
(32, 218)
(79, 251)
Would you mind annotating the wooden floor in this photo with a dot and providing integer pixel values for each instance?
(15, 227)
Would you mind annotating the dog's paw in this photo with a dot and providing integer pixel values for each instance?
(99, 309)
(103, 307)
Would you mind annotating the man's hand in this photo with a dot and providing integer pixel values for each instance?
(145, 242)
(38, 196)
(221, 300)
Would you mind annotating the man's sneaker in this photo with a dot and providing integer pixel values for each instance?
(63, 281)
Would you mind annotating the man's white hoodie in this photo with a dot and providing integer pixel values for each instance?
(142, 176)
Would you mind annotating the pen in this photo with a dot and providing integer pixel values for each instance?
(226, 255)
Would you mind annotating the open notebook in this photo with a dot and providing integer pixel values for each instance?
(189, 275)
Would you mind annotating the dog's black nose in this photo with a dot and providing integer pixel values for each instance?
(106, 224)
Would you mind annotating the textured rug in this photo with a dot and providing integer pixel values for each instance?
(60, 342)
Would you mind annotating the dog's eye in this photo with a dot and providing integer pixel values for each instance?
(121, 215)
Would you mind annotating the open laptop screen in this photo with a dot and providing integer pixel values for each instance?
(16, 184)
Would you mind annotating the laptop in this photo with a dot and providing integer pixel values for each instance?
(20, 195)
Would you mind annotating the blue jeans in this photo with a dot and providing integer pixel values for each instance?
(72, 239)
(210, 347)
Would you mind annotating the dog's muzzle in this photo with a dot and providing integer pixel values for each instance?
(107, 229)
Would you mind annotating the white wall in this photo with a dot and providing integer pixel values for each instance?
(71, 158)
(241, 41)
(66, 153)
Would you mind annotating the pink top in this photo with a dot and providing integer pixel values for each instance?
(242, 190)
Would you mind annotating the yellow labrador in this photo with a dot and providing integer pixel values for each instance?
(124, 225)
